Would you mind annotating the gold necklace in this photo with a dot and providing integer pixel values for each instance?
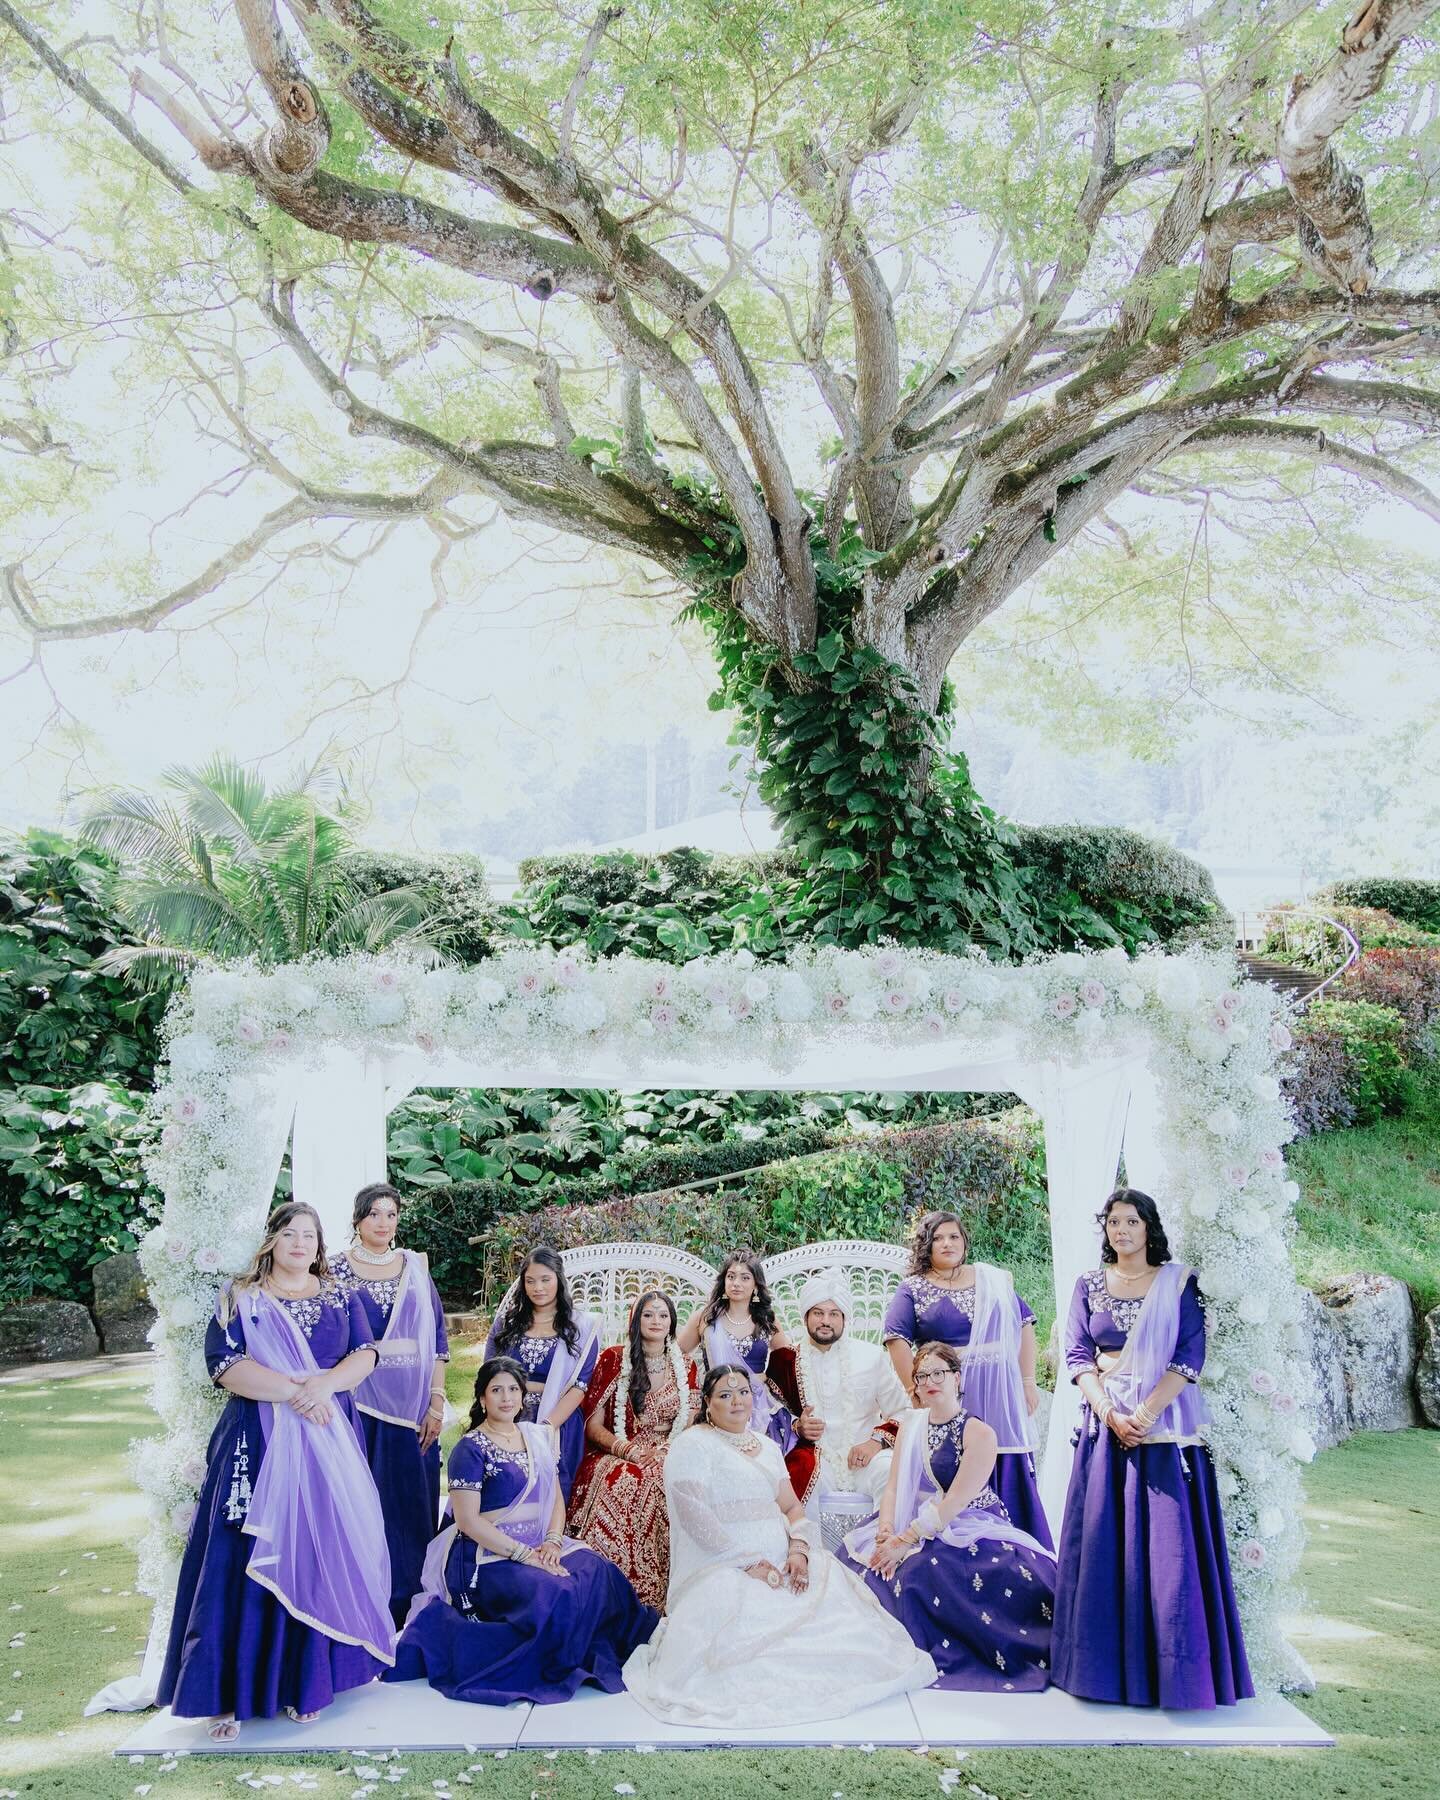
(1140, 1277)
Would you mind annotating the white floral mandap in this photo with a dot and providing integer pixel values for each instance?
(1164, 1057)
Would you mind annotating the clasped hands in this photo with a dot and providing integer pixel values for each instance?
(312, 1397)
(891, 1549)
(796, 1574)
(812, 1428)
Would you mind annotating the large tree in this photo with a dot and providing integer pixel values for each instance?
(848, 316)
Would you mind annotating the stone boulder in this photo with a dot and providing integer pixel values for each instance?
(1375, 1319)
(1041, 1423)
(122, 1304)
(47, 1331)
(1427, 1369)
(1325, 1352)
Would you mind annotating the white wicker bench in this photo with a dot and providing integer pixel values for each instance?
(608, 1279)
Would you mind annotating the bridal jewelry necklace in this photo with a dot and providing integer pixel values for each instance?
(358, 1253)
(1119, 1277)
(746, 1442)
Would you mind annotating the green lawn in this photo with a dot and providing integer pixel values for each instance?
(70, 1517)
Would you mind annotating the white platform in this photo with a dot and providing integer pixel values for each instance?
(412, 1716)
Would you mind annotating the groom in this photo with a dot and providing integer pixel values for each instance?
(849, 1397)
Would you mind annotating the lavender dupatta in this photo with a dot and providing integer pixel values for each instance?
(992, 1384)
(1146, 1357)
(526, 1519)
(398, 1388)
(314, 1513)
(916, 1486)
(763, 1405)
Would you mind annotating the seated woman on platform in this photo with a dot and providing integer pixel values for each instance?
(402, 1405)
(640, 1399)
(510, 1608)
(947, 1299)
(968, 1585)
(283, 1598)
(762, 1629)
(557, 1346)
(1145, 1612)
(737, 1325)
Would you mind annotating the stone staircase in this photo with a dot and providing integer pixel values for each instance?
(1290, 980)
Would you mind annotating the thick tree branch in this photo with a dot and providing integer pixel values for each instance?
(1316, 446)
(1331, 198)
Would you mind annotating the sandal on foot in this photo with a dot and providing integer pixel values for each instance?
(223, 1731)
(299, 1718)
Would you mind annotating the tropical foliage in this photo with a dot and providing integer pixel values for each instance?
(219, 867)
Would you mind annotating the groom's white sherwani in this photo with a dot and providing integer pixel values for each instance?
(853, 1387)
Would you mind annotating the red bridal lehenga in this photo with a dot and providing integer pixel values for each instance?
(617, 1505)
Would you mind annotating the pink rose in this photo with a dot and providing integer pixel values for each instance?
(1284, 1404)
(193, 1470)
(248, 1031)
(1228, 1002)
(934, 1025)
(741, 1006)
(896, 1000)
(386, 980)
(189, 1108)
(1064, 1006)
(529, 985)
(660, 987)
(1093, 993)
(180, 1517)
(662, 1017)
(426, 1042)
(888, 963)
(1237, 1175)
(1262, 1381)
(171, 1137)
(176, 1249)
(954, 1000)
(1280, 1038)
(1252, 1554)
(279, 1040)
(835, 1004)
(1272, 1159)
(567, 971)
(717, 995)
(1221, 1022)
(207, 1260)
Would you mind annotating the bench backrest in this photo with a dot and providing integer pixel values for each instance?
(873, 1270)
(607, 1279)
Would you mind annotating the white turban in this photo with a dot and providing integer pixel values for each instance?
(829, 1286)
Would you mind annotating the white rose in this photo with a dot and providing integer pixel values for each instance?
(863, 1006)
(192, 1052)
(241, 1092)
(1206, 1045)
(1176, 986)
(744, 959)
(1290, 1192)
(1254, 1309)
(1266, 1087)
(1224, 1121)
(756, 988)
(1271, 1522)
(184, 1312)
(1130, 995)
(1203, 1206)
(720, 1019)
(385, 1008)
(487, 992)
(793, 999)
(1302, 1446)
(1229, 1487)
(1252, 1223)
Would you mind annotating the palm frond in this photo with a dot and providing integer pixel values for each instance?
(191, 916)
(149, 967)
(136, 829)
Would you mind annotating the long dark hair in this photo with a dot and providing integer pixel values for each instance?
(1157, 1245)
(519, 1315)
(713, 1377)
(366, 1198)
(925, 1228)
(762, 1307)
(484, 1375)
(639, 1374)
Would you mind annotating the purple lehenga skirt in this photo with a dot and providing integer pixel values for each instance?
(1145, 1611)
(233, 1647)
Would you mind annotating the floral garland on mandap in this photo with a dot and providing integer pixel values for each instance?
(238, 1036)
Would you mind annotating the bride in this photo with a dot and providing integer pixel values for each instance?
(761, 1627)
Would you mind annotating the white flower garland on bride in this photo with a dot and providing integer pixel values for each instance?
(682, 1387)
(238, 1036)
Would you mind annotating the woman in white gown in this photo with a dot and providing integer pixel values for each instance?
(762, 1627)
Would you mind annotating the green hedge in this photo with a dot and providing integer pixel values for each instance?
(989, 1170)
(1094, 885)
(1416, 902)
(454, 881)
(442, 1220)
(1372, 1036)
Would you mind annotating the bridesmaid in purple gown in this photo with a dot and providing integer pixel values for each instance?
(512, 1609)
(1145, 1612)
(945, 1299)
(943, 1556)
(402, 1405)
(282, 1598)
(558, 1348)
(737, 1327)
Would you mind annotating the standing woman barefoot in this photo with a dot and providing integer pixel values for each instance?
(402, 1405)
(283, 1598)
(737, 1326)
